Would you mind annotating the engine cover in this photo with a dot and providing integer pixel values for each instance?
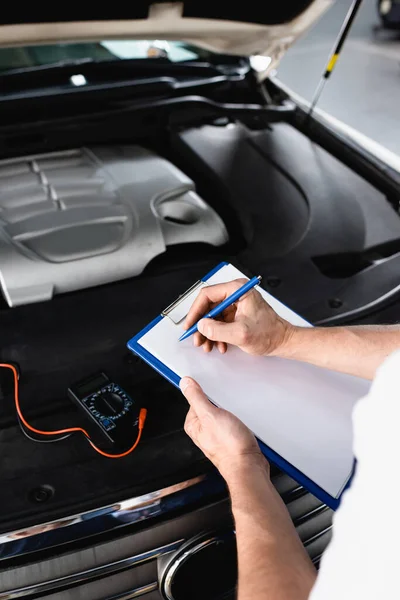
(80, 218)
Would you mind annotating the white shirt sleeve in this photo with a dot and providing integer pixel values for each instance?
(363, 558)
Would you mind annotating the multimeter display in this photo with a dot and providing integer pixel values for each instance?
(108, 405)
(89, 385)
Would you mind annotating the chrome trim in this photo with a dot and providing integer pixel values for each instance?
(294, 494)
(317, 536)
(316, 560)
(175, 564)
(55, 585)
(109, 518)
(310, 514)
(136, 593)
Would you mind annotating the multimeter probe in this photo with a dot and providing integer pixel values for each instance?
(68, 430)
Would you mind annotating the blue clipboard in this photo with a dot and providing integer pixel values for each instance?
(135, 347)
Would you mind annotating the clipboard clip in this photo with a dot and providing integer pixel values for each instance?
(178, 309)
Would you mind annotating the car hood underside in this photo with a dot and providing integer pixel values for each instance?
(245, 31)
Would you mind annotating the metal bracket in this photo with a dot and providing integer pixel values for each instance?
(178, 316)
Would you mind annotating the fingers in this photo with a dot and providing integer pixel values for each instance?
(222, 347)
(208, 346)
(198, 339)
(236, 333)
(209, 295)
(196, 397)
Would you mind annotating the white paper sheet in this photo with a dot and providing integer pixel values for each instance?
(300, 411)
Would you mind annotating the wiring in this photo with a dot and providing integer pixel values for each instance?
(38, 440)
(68, 430)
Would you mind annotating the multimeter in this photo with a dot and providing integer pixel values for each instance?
(108, 406)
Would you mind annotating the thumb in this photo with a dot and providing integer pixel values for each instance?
(218, 331)
(195, 396)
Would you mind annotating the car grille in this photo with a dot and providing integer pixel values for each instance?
(127, 566)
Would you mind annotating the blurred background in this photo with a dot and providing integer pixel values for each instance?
(364, 89)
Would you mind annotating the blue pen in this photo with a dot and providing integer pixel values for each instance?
(225, 304)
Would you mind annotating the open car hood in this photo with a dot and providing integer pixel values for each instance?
(252, 28)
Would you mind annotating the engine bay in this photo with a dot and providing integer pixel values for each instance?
(96, 240)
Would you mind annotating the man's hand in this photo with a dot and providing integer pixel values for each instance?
(250, 323)
(218, 433)
(272, 561)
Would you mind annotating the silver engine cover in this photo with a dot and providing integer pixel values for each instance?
(80, 218)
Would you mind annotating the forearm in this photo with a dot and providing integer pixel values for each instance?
(358, 350)
(272, 561)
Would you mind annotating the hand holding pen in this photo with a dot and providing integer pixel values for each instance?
(224, 304)
(249, 323)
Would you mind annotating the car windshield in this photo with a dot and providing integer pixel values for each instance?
(26, 57)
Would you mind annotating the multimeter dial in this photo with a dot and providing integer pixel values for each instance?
(108, 404)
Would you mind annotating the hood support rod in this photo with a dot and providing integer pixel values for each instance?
(347, 23)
